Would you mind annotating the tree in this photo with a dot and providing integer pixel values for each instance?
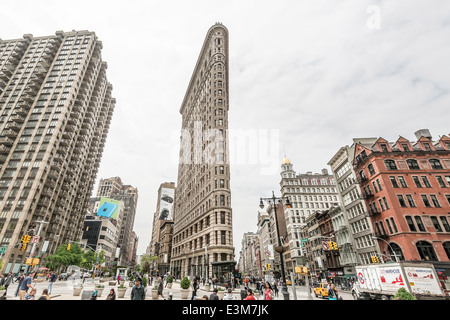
(403, 294)
(147, 261)
(63, 257)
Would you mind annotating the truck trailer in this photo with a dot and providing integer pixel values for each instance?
(382, 281)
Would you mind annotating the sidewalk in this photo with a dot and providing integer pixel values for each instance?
(63, 290)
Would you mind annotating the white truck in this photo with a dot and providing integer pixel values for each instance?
(382, 281)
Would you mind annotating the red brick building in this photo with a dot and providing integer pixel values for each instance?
(406, 185)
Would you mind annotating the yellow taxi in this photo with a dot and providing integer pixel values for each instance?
(321, 290)
(288, 282)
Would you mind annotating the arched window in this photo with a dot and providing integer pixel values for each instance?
(413, 164)
(395, 252)
(390, 164)
(446, 246)
(435, 164)
(426, 251)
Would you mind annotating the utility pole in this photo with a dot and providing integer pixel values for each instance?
(38, 233)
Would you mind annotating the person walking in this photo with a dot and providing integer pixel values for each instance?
(229, 295)
(25, 285)
(275, 289)
(51, 281)
(111, 295)
(214, 296)
(268, 292)
(194, 288)
(8, 280)
(250, 295)
(160, 288)
(118, 279)
(138, 292)
(19, 280)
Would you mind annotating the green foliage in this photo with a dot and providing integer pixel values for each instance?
(403, 294)
(147, 261)
(63, 257)
(144, 281)
(185, 283)
(170, 279)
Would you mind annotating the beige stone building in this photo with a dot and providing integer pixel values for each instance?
(203, 234)
(56, 107)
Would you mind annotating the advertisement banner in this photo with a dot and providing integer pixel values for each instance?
(391, 278)
(270, 252)
(422, 280)
(166, 204)
(108, 208)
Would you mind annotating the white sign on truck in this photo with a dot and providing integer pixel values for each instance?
(383, 280)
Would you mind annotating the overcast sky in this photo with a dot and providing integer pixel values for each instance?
(310, 75)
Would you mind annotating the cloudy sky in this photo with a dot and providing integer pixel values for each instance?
(306, 76)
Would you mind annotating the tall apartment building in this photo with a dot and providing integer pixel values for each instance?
(355, 235)
(162, 227)
(113, 188)
(56, 107)
(266, 243)
(203, 235)
(406, 185)
(250, 254)
(308, 193)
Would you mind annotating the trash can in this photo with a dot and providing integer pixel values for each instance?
(243, 294)
(86, 294)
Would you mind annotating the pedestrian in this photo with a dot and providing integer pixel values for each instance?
(205, 297)
(332, 292)
(138, 291)
(31, 295)
(275, 289)
(19, 280)
(268, 292)
(2, 280)
(51, 281)
(250, 295)
(229, 295)
(118, 279)
(214, 296)
(194, 288)
(111, 295)
(45, 295)
(160, 288)
(8, 280)
(25, 285)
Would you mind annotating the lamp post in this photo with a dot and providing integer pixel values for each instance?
(273, 200)
(393, 252)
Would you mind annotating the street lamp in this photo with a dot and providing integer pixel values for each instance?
(393, 252)
(273, 200)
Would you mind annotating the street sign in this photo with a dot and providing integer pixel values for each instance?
(35, 239)
(3, 249)
(325, 245)
(305, 240)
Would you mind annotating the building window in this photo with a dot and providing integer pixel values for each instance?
(426, 251)
(371, 169)
(445, 223)
(435, 164)
(435, 200)
(384, 148)
(410, 223)
(419, 223)
(436, 224)
(441, 182)
(425, 200)
(390, 164)
(405, 147)
(401, 200)
(417, 182)
(394, 182)
(412, 164)
(426, 182)
(410, 200)
(394, 225)
(402, 182)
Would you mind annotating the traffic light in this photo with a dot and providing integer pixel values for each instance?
(23, 247)
(25, 239)
(333, 245)
(375, 259)
(305, 270)
(68, 246)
